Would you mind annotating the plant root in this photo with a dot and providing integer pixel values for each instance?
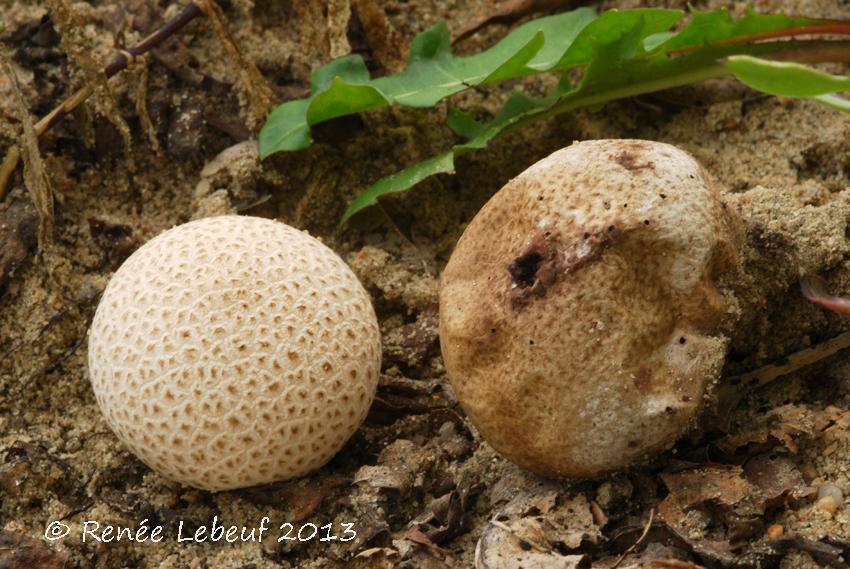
(141, 89)
(250, 83)
(69, 26)
(35, 176)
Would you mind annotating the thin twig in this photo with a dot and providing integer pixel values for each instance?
(640, 540)
(122, 60)
(796, 361)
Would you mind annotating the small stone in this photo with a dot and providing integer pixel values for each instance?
(775, 531)
(832, 491)
(827, 504)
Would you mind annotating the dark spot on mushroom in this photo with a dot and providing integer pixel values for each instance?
(524, 545)
(682, 340)
(662, 196)
(633, 444)
(629, 161)
(536, 268)
(524, 268)
(542, 263)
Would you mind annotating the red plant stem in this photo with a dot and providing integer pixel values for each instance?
(171, 27)
(829, 27)
(833, 27)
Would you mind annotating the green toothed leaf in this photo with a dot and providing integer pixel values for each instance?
(432, 73)
(622, 54)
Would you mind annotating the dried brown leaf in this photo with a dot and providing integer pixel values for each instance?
(380, 476)
(719, 486)
(19, 551)
(501, 548)
(776, 476)
(785, 433)
(399, 397)
(722, 484)
(375, 558)
(444, 518)
(398, 466)
(416, 535)
(551, 521)
(832, 417)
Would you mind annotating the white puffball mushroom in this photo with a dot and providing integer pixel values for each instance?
(580, 313)
(234, 351)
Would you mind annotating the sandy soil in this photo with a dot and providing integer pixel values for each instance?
(416, 481)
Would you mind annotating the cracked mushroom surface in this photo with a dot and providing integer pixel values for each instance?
(579, 312)
(234, 351)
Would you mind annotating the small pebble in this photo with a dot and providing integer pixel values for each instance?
(832, 491)
(827, 504)
(775, 531)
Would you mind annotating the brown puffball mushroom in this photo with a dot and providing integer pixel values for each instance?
(234, 351)
(579, 312)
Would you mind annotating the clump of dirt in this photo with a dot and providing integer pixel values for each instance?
(418, 485)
